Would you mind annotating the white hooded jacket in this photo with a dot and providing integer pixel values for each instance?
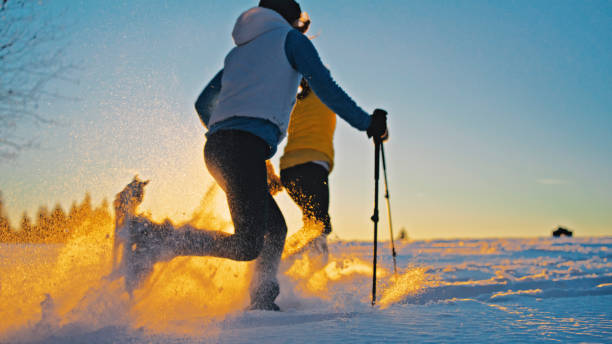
(258, 81)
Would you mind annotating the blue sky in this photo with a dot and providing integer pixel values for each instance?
(500, 112)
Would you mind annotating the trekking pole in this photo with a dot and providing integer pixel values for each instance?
(377, 144)
(393, 253)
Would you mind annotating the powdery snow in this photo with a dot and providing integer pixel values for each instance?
(496, 290)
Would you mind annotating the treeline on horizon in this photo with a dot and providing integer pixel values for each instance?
(54, 226)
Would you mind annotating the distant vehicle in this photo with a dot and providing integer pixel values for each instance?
(560, 231)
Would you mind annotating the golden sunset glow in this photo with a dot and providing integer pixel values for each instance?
(485, 215)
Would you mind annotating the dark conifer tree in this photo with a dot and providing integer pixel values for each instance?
(5, 227)
(58, 227)
(43, 224)
(25, 229)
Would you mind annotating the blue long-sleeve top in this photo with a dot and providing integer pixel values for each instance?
(303, 57)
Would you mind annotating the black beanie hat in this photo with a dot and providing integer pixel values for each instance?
(289, 9)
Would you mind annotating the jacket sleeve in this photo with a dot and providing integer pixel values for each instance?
(304, 58)
(207, 100)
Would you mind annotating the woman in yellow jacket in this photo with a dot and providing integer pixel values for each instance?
(304, 167)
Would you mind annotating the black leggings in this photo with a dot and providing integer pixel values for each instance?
(308, 187)
(237, 161)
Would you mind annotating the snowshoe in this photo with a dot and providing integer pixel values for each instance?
(147, 244)
(268, 306)
(263, 296)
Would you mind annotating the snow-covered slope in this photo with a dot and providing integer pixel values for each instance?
(497, 290)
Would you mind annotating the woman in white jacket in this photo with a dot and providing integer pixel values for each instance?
(246, 108)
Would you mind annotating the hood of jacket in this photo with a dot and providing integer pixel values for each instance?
(255, 22)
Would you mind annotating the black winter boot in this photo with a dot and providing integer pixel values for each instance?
(263, 297)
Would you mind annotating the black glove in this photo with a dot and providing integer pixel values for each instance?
(378, 125)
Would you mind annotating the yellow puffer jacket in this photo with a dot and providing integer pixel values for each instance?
(311, 133)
